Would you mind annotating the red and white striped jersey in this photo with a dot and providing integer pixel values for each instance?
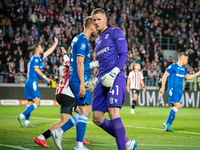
(63, 87)
(136, 77)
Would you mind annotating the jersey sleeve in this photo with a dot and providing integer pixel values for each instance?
(66, 58)
(130, 75)
(81, 47)
(170, 69)
(36, 62)
(142, 77)
(121, 46)
(185, 72)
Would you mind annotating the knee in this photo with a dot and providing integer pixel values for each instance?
(97, 120)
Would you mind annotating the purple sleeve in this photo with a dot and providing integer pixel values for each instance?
(121, 46)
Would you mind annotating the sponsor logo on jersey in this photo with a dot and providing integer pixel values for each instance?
(103, 51)
(180, 75)
(106, 36)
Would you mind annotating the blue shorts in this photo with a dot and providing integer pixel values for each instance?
(75, 87)
(103, 97)
(174, 97)
(31, 90)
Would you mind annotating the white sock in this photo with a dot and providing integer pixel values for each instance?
(128, 143)
(41, 137)
(21, 115)
(27, 121)
(60, 131)
(79, 144)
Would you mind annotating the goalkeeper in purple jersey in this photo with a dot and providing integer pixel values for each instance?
(110, 85)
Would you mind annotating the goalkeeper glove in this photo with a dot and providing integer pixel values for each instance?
(90, 85)
(109, 78)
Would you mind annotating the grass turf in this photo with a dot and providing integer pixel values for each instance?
(146, 127)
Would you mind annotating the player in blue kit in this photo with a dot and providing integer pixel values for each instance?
(175, 74)
(110, 85)
(79, 73)
(31, 90)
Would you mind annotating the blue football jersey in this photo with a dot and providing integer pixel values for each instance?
(35, 61)
(79, 47)
(176, 76)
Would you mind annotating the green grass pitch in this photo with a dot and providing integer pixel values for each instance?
(146, 127)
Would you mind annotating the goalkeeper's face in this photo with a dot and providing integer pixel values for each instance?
(99, 21)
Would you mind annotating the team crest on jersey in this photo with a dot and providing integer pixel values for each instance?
(106, 36)
(83, 46)
(36, 60)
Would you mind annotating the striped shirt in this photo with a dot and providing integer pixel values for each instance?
(135, 77)
(63, 87)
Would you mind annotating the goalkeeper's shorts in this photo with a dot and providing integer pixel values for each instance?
(104, 97)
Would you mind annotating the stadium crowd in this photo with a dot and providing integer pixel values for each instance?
(143, 22)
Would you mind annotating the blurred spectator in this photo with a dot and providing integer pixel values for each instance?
(1, 72)
(12, 71)
(151, 75)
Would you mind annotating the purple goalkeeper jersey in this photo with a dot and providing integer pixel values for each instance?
(111, 50)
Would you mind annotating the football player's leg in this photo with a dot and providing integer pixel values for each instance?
(135, 97)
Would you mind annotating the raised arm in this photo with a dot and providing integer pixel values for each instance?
(50, 50)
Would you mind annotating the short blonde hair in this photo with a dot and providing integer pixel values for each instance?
(182, 54)
(87, 22)
(98, 11)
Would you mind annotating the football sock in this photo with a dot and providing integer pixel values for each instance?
(41, 137)
(119, 131)
(28, 110)
(70, 123)
(46, 134)
(133, 104)
(80, 130)
(172, 115)
(107, 126)
(27, 116)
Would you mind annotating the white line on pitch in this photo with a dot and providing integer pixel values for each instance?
(127, 126)
(16, 147)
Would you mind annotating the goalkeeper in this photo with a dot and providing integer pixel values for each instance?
(110, 84)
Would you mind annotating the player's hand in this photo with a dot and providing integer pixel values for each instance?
(56, 40)
(82, 91)
(48, 80)
(128, 89)
(90, 85)
(109, 78)
(144, 90)
(63, 50)
(162, 90)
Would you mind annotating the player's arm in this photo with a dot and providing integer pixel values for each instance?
(80, 67)
(165, 76)
(192, 76)
(50, 50)
(121, 45)
(143, 86)
(128, 85)
(120, 41)
(41, 74)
